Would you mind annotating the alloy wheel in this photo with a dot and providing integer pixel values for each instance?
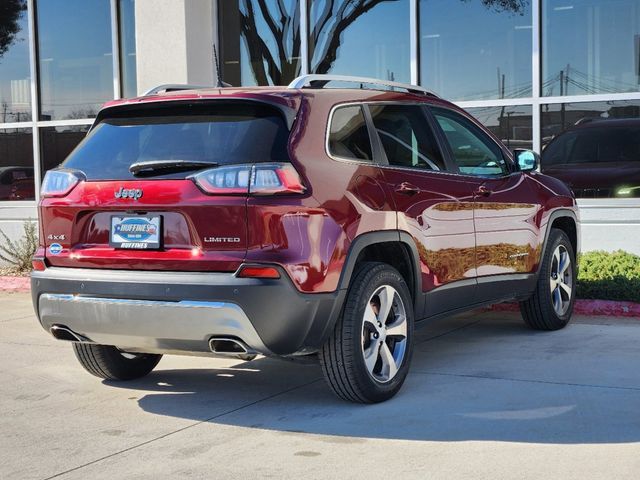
(561, 281)
(384, 334)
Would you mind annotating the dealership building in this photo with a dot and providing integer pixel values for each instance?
(527, 69)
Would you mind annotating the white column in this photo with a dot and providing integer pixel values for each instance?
(174, 42)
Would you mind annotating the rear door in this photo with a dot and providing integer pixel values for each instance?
(161, 218)
(434, 206)
(505, 203)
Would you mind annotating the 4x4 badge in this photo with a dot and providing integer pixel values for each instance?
(134, 193)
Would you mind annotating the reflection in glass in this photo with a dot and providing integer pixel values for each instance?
(15, 93)
(58, 142)
(590, 46)
(259, 41)
(128, 48)
(16, 164)
(594, 147)
(512, 125)
(473, 49)
(558, 118)
(358, 37)
(75, 58)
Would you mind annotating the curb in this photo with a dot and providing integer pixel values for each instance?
(608, 308)
(15, 284)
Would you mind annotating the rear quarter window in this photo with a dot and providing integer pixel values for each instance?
(348, 134)
(220, 133)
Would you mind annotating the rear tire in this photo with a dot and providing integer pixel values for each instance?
(366, 358)
(551, 305)
(106, 361)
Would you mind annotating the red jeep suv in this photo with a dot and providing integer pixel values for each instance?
(293, 221)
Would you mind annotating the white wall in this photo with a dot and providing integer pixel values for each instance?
(174, 42)
(610, 224)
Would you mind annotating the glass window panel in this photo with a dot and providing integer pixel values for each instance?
(56, 143)
(474, 49)
(590, 46)
(15, 87)
(594, 147)
(260, 41)
(349, 137)
(75, 58)
(16, 164)
(473, 151)
(128, 48)
(512, 125)
(406, 137)
(351, 38)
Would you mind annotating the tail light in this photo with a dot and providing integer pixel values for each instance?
(58, 183)
(259, 179)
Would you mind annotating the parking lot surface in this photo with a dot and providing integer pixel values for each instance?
(486, 399)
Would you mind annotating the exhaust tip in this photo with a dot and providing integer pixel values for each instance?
(228, 346)
(65, 333)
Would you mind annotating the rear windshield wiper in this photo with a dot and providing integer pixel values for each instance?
(152, 166)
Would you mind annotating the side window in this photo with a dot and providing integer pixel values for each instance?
(348, 134)
(406, 136)
(473, 151)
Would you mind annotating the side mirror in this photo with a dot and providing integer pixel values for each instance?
(527, 160)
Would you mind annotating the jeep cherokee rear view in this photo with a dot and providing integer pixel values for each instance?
(298, 222)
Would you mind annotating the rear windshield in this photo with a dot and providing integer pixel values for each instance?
(594, 145)
(222, 133)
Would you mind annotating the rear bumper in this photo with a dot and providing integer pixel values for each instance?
(179, 312)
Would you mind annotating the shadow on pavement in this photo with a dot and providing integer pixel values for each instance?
(452, 394)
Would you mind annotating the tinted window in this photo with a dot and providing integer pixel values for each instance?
(224, 134)
(75, 57)
(406, 137)
(348, 137)
(128, 47)
(590, 145)
(473, 151)
(16, 164)
(15, 87)
(476, 49)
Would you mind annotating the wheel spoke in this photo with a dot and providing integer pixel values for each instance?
(371, 355)
(385, 295)
(567, 289)
(398, 328)
(389, 367)
(557, 300)
(370, 315)
(556, 261)
(553, 284)
(566, 262)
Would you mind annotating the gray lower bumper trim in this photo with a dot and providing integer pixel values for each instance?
(149, 325)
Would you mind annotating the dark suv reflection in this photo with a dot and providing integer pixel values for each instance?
(597, 158)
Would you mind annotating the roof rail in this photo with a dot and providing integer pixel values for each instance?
(176, 87)
(319, 81)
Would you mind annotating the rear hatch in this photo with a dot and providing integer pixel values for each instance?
(163, 186)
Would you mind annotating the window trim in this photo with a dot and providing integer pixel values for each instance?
(506, 155)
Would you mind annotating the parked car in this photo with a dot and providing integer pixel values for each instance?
(16, 183)
(292, 222)
(597, 158)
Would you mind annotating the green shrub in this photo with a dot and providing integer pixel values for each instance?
(609, 276)
(20, 253)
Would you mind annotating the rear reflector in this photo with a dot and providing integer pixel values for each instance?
(258, 272)
(38, 264)
(255, 179)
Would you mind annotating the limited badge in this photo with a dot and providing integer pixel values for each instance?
(55, 249)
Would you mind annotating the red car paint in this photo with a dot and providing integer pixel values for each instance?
(463, 226)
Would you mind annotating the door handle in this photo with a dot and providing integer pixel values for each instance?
(407, 188)
(482, 191)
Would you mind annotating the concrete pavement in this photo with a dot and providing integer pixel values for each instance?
(486, 399)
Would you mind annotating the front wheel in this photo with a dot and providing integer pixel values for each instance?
(551, 305)
(366, 358)
(111, 363)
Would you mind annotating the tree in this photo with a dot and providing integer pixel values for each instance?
(10, 13)
(279, 63)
